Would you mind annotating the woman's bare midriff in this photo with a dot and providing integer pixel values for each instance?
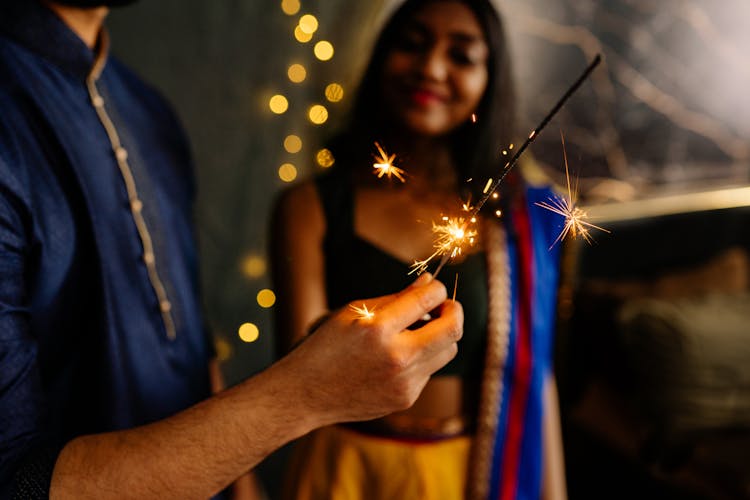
(439, 410)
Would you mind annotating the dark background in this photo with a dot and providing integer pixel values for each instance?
(668, 110)
(669, 107)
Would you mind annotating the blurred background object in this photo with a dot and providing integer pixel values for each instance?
(661, 134)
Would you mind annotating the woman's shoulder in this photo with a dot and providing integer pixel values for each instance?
(298, 208)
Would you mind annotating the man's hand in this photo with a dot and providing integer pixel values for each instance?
(349, 369)
(356, 368)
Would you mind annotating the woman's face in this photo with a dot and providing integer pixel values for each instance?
(436, 73)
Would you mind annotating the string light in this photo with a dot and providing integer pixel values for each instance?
(253, 266)
(334, 92)
(325, 158)
(323, 50)
(296, 73)
(308, 24)
(292, 144)
(266, 298)
(223, 348)
(318, 114)
(287, 172)
(290, 7)
(278, 104)
(301, 36)
(248, 332)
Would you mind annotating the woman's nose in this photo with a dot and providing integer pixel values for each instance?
(434, 66)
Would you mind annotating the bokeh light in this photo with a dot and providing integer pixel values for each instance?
(223, 348)
(301, 36)
(296, 73)
(248, 332)
(292, 144)
(290, 7)
(266, 298)
(323, 50)
(324, 158)
(253, 266)
(334, 92)
(278, 104)
(308, 24)
(318, 114)
(287, 172)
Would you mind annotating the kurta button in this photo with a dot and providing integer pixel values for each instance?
(121, 153)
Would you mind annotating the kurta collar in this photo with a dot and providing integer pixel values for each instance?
(37, 28)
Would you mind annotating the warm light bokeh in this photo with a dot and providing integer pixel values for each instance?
(278, 104)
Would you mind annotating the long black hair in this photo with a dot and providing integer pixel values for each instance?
(475, 146)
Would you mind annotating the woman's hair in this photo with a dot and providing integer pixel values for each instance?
(475, 146)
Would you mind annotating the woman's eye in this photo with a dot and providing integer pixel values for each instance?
(410, 42)
(461, 57)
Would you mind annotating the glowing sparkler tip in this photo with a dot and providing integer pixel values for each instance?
(363, 312)
(575, 217)
(384, 165)
(453, 235)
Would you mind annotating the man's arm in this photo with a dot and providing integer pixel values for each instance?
(349, 369)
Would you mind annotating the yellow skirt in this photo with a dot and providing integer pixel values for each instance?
(341, 464)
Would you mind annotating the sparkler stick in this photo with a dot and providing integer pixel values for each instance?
(534, 133)
(449, 242)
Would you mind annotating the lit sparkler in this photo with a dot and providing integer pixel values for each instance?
(575, 217)
(492, 185)
(452, 237)
(384, 165)
(363, 312)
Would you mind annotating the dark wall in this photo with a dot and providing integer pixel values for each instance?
(667, 107)
(219, 62)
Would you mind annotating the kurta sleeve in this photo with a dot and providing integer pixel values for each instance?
(26, 461)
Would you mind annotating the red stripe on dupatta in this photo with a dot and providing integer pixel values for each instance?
(523, 358)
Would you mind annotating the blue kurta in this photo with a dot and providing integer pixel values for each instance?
(84, 346)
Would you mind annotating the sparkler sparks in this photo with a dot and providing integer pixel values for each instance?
(575, 217)
(384, 165)
(363, 312)
(452, 237)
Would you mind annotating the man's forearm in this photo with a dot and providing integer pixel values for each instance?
(193, 454)
(351, 368)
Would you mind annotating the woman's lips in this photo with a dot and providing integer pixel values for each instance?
(424, 97)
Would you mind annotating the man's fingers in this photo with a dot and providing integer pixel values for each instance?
(410, 305)
(375, 303)
(440, 359)
(439, 333)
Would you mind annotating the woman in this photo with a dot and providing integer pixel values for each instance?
(438, 92)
